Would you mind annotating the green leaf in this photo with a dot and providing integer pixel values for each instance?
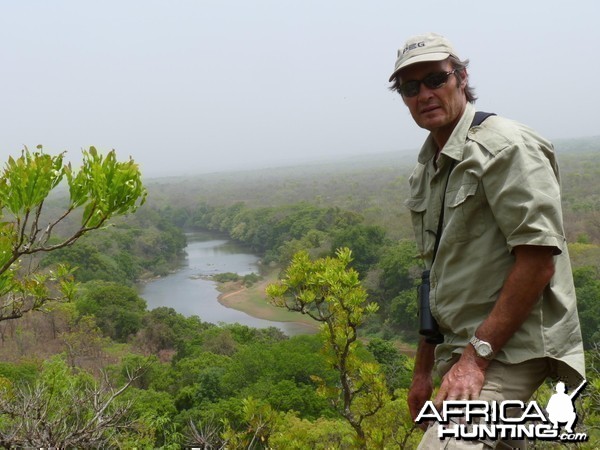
(27, 181)
(105, 186)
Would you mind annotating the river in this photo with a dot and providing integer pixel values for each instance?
(190, 293)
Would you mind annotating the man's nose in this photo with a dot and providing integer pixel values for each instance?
(424, 93)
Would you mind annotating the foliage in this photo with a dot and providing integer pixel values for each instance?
(101, 189)
(394, 364)
(294, 433)
(154, 426)
(281, 373)
(265, 389)
(90, 262)
(165, 329)
(118, 309)
(330, 292)
(400, 265)
(392, 426)
(62, 409)
(13, 374)
(587, 287)
(395, 289)
(141, 245)
(374, 187)
(247, 280)
(366, 243)
(83, 341)
(225, 277)
(271, 230)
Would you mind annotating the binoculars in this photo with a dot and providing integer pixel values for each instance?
(428, 326)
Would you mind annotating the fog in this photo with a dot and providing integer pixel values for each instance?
(199, 86)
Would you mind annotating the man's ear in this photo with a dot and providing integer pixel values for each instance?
(465, 78)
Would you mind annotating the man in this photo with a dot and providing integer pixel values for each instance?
(501, 283)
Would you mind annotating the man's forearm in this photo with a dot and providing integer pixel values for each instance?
(422, 382)
(425, 359)
(531, 273)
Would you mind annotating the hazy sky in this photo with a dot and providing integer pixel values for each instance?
(196, 86)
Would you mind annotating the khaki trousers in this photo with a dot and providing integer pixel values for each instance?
(502, 382)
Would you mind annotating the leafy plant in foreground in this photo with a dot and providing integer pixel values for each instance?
(330, 292)
(101, 189)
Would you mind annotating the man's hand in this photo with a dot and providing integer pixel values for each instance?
(464, 380)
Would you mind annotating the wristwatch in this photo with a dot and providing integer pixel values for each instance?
(482, 348)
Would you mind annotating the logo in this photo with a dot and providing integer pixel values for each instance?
(510, 419)
(413, 46)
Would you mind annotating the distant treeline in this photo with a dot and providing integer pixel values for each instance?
(375, 187)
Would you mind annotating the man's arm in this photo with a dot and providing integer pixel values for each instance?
(532, 271)
(422, 382)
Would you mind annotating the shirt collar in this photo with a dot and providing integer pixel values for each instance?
(455, 146)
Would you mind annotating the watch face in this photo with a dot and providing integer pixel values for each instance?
(484, 349)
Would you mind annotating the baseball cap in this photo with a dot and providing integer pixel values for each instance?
(421, 48)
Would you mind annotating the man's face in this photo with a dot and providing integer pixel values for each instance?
(437, 110)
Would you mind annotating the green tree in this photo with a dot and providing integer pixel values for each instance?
(101, 189)
(89, 261)
(396, 289)
(282, 373)
(329, 291)
(403, 313)
(22, 372)
(393, 363)
(118, 309)
(366, 243)
(587, 287)
(164, 328)
(399, 267)
(154, 426)
(294, 433)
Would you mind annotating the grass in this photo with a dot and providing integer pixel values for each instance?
(253, 301)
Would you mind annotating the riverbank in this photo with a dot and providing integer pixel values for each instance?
(253, 301)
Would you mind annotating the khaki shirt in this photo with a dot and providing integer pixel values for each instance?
(502, 192)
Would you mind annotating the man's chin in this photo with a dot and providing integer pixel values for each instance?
(432, 122)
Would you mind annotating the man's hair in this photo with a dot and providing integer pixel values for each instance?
(457, 65)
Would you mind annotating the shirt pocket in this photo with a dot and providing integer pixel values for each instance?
(465, 211)
(418, 207)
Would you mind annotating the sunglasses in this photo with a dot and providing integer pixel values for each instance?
(432, 81)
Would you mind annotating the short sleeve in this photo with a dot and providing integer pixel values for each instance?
(523, 190)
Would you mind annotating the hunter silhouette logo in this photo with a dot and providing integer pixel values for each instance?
(509, 419)
(561, 408)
